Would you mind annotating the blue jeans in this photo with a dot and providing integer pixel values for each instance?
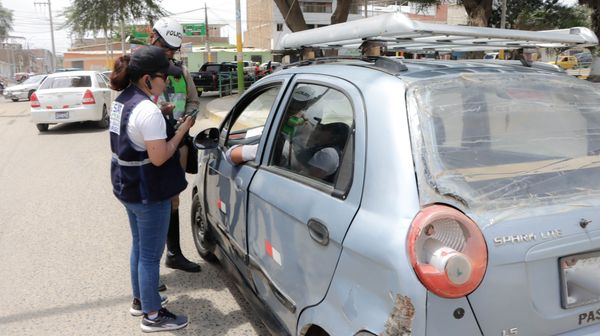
(149, 226)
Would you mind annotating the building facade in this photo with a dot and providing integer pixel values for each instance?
(266, 25)
(14, 59)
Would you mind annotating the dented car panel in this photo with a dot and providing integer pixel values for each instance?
(470, 188)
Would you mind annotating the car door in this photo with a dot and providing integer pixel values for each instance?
(304, 196)
(227, 184)
(104, 91)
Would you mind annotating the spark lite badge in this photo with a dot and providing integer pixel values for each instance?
(527, 237)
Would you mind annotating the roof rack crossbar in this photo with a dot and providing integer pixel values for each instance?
(397, 29)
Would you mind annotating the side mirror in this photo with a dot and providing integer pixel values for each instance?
(207, 139)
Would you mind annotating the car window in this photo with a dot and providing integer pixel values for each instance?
(509, 138)
(67, 82)
(247, 128)
(101, 81)
(314, 132)
(33, 80)
(213, 68)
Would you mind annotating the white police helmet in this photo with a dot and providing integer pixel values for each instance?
(170, 31)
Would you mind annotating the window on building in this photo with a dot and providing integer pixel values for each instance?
(316, 7)
(280, 27)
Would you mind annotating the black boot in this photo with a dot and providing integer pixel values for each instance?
(175, 258)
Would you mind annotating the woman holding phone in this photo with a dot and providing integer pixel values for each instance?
(146, 174)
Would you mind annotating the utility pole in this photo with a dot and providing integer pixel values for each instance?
(503, 15)
(240, 54)
(51, 31)
(502, 25)
(207, 44)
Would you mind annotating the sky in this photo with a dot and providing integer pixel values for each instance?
(31, 21)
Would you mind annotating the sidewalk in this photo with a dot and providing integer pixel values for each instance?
(218, 108)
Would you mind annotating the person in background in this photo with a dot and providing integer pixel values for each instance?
(179, 98)
(145, 175)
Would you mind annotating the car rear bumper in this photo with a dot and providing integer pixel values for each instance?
(49, 116)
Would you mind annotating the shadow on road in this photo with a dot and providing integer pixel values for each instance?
(74, 128)
(205, 317)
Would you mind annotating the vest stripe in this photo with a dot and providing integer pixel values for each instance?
(129, 163)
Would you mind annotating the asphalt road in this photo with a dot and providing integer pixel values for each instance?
(64, 242)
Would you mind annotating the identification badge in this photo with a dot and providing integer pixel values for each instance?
(116, 110)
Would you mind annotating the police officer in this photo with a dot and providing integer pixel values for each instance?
(145, 175)
(179, 98)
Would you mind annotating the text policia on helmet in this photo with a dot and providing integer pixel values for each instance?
(170, 31)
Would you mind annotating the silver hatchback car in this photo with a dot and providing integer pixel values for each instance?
(410, 197)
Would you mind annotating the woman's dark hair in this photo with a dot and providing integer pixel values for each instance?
(121, 76)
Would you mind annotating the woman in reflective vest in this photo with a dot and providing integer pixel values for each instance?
(146, 174)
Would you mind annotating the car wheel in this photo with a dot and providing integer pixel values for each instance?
(199, 93)
(105, 121)
(15, 99)
(29, 94)
(201, 232)
(42, 127)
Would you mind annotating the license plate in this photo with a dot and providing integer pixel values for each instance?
(580, 284)
(62, 115)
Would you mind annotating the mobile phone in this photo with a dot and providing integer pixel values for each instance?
(191, 114)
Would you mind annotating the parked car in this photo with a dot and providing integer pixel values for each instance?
(68, 69)
(491, 56)
(584, 59)
(267, 68)
(215, 77)
(71, 97)
(456, 203)
(25, 89)
(565, 62)
(248, 67)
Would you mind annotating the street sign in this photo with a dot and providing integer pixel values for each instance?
(194, 29)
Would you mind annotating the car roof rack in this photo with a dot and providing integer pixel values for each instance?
(388, 64)
(398, 32)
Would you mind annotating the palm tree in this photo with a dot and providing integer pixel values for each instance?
(6, 21)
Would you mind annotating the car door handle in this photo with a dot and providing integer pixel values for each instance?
(318, 232)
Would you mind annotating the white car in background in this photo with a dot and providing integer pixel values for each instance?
(71, 97)
(25, 89)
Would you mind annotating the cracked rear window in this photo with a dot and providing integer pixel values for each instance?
(499, 140)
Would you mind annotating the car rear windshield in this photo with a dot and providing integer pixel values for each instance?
(506, 140)
(33, 80)
(67, 82)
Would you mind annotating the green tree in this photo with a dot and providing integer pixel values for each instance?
(540, 15)
(6, 21)
(104, 15)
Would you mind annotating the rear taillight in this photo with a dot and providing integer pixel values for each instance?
(88, 98)
(447, 251)
(34, 101)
